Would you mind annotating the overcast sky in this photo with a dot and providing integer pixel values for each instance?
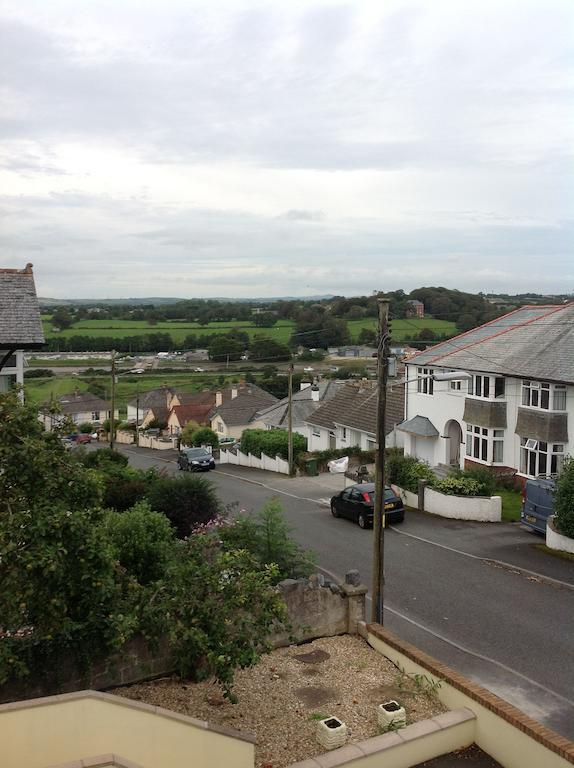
(287, 148)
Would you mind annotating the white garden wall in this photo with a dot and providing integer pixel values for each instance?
(485, 509)
(249, 460)
(555, 540)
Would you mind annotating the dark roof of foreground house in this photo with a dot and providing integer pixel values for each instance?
(193, 412)
(242, 409)
(82, 402)
(533, 342)
(355, 406)
(20, 321)
(303, 406)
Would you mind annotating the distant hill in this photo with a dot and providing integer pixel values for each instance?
(159, 300)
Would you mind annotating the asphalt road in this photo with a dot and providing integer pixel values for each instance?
(451, 589)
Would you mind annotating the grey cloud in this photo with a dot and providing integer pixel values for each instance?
(297, 214)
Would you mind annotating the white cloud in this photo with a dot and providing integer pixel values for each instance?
(304, 147)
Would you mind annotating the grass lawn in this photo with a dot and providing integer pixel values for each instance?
(401, 329)
(511, 505)
(41, 390)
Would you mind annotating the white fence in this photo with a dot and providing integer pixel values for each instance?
(160, 444)
(249, 460)
(485, 509)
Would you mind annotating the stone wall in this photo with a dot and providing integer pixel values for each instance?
(316, 606)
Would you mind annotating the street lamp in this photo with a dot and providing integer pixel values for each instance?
(378, 575)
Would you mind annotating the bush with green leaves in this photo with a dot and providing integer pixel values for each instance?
(406, 471)
(86, 428)
(59, 584)
(486, 479)
(142, 541)
(267, 536)
(564, 500)
(458, 486)
(123, 486)
(272, 442)
(186, 501)
(218, 608)
(202, 436)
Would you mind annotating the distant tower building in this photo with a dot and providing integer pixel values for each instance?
(415, 308)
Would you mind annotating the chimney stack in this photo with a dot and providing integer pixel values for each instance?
(315, 393)
(218, 399)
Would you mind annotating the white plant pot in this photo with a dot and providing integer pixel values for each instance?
(331, 733)
(391, 714)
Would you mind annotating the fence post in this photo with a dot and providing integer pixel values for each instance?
(422, 485)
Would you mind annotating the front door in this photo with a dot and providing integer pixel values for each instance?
(454, 434)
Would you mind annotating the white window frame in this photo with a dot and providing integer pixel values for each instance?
(481, 441)
(425, 384)
(546, 459)
(95, 415)
(532, 393)
(481, 382)
(316, 431)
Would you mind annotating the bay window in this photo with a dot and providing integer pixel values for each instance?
(485, 445)
(540, 458)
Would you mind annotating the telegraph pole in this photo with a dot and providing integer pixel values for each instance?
(137, 412)
(290, 422)
(113, 400)
(378, 577)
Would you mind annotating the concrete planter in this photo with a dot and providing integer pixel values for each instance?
(555, 540)
(391, 714)
(331, 733)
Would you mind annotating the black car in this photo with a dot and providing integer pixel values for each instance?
(195, 460)
(356, 503)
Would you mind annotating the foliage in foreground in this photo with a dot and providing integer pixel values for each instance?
(267, 537)
(564, 500)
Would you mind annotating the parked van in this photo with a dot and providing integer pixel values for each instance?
(537, 503)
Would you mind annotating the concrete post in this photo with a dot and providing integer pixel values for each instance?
(355, 594)
(422, 485)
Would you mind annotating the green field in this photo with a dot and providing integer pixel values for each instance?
(42, 390)
(401, 329)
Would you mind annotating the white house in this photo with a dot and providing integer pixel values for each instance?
(80, 407)
(240, 412)
(20, 323)
(349, 418)
(304, 402)
(516, 413)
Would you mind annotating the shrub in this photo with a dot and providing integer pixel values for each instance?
(218, 608)
(38, 373)
(486, 479)
(406, 471)
(564, 500)
(142, 540)
(203, 436)
(102, 458)
(86, 428)
(267, 536)
(186, 501)
(458, 486)
(273, 442)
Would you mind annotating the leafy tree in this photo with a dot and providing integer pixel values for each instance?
(222, 348)
(186, 501)
(142, 541)
(427, 334)
(263, 348)
(186, 434)
(564, 500)
(267, 536)
(62, 319)
(265, 320)
(219, 607)
(123, 486)
(316, 328)
(86, 428)
(59, 586)
(367, 336)
(204, 436)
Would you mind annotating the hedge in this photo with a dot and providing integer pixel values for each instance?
(272, 442)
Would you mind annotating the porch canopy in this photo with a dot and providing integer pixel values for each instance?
(419, 426)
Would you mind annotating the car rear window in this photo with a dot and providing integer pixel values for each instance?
(389, 495)
(197, 453)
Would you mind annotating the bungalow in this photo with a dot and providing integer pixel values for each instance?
(139, 407)
(307, 400)
(80, 407)
(514, 413)
(20, 323)
(349, 418)
(241, 411)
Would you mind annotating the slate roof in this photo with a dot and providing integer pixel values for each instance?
(243, 408)
(533, 342)
(355, 406)
(20, 321)
(80, 402)
(154, 397)
(277, 415)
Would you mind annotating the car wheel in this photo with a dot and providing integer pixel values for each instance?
(334, 511)
(362, 520)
